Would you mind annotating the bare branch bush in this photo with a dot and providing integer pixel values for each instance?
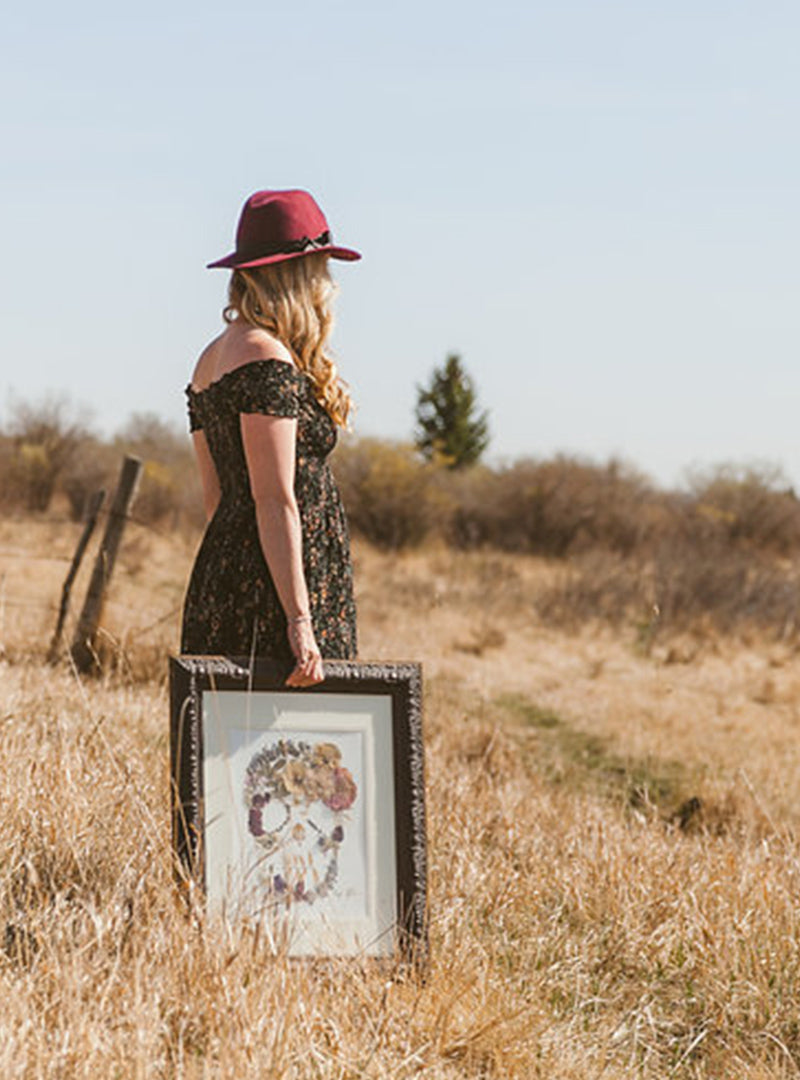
(556, 507)
(169, 492)
(40, 441)
(750, 504)
(679, 588)
(393, 498)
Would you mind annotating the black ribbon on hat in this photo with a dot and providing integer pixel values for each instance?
(306, 243)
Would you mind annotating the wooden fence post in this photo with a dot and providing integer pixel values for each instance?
(95, 503)
(83, 649)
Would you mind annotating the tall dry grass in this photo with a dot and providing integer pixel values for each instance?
(614, 863)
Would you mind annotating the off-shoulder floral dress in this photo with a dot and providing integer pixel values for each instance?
(231, 606)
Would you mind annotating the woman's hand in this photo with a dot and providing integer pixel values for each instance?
(308, 669)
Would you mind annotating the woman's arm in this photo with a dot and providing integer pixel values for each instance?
(269, 447)
(208, 473)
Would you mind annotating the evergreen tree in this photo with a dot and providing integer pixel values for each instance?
(448, 424)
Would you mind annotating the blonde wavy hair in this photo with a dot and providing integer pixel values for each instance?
(293, 301)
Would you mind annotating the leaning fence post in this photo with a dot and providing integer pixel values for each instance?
(92, 511)
(83, 649)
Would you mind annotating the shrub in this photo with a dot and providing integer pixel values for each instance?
(677, 589)
(95, 465)
(169, 487)
(556, 507)
(40, 442)
(391, 497)
(747, 504)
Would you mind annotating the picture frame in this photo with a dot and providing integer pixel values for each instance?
(303, 810)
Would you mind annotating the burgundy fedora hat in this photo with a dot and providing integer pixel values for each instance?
(279, 225)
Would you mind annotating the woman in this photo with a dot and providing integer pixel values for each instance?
(273, 576)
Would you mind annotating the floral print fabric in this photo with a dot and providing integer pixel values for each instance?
(231, 606)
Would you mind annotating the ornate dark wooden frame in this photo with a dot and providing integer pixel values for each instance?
(190, 676)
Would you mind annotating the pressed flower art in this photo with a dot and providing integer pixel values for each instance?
(296, 797)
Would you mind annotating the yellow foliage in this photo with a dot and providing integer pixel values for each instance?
(34, 456)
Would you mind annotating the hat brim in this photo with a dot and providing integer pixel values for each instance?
(234, 261)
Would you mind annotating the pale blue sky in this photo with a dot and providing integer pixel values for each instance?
(595, 203)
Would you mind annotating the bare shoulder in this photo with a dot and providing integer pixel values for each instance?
(236, 346)
(205, 368)
(252, 343)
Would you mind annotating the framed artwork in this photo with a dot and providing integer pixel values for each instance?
(303, 809)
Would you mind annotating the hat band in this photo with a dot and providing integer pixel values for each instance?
(292, 247)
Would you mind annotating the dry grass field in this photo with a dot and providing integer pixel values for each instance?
(615, 884)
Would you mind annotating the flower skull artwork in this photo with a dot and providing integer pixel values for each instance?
(296, 796)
